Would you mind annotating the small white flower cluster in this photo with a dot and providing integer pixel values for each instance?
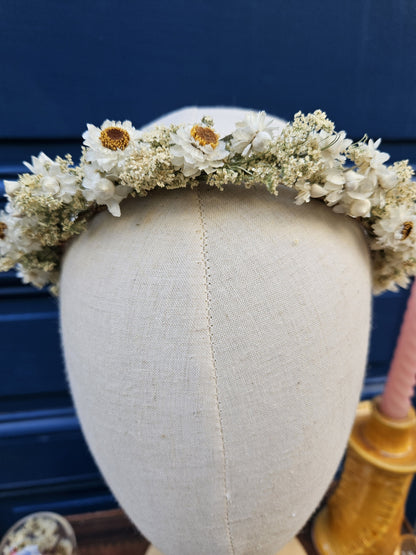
(354, 191)
(53, 203)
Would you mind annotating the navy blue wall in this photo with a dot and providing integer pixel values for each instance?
(65, 64)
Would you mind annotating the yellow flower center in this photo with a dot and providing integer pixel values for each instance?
(205, 136)
(114, 138)
(406, 230)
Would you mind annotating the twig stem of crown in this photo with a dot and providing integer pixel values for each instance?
(53, 203)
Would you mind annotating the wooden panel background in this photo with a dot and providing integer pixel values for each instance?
(63, 64)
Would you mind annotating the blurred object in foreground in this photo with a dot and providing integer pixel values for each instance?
(44, 532)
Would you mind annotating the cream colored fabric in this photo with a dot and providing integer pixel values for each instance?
(215, 344)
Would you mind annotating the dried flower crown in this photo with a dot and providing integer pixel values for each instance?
(53, 203)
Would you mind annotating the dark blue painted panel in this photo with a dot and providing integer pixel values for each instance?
(13, 153)
(66, 63)
(46, 465)
(38, 448)
(29, 346)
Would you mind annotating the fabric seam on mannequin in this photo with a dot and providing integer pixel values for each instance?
(204, 241)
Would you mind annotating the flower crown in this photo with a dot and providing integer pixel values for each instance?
(53, 203)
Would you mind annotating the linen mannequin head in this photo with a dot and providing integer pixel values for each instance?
(215, 343)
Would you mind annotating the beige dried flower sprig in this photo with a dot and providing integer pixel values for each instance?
(54, 203)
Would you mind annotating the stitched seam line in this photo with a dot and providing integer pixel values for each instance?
(204, 241)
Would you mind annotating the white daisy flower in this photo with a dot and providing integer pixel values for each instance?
(303, 189)
(103, 191)
(39, 278)
(110, 144)
(387, 177)
(333, 147)
(196, 149)
(252, 135)
(371, 164)
(396, 229)
(356, 197)
(355, 181)
(376, 158)
(367, 155)
(11, 187)
(370, 185)
(356, 205)
(346, 192)
(334, 186)
(15, 231)
(40, 164)
(54, 182)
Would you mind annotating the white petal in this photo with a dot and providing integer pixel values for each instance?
(261, 141)
(360, 208)
(114, 209)
(11, 186)
(317, 191)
